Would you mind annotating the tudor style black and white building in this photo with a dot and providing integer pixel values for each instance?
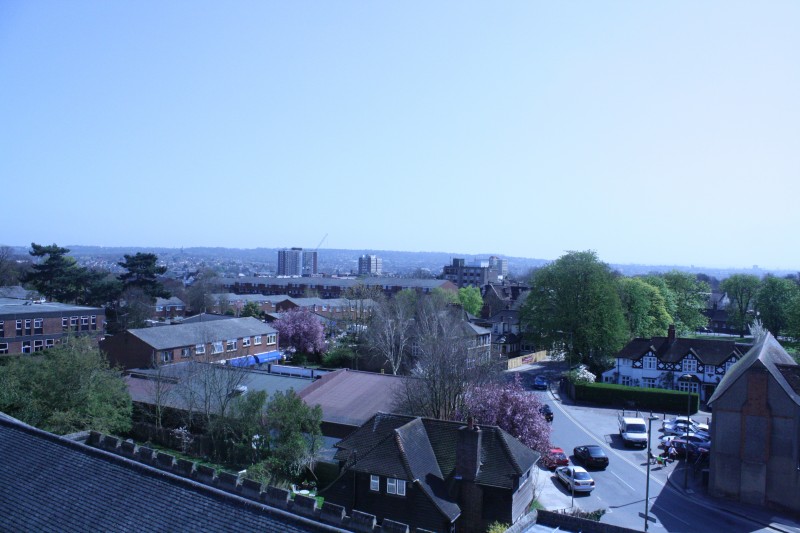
(660, 362)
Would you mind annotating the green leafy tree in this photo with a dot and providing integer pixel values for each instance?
(471, 299)
(742, 290)
(56, 276)
(69, 388)
(294, 435)
(644, 307)
(251, 309)
(573, 304)
(142, 273)
(690, 300)
(774, 302)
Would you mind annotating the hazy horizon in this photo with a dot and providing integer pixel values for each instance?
(651, 133)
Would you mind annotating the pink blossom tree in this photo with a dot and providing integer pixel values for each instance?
(300, 329)
(509, 406)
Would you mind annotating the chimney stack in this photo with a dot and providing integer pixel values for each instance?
(468, 451)
(671, 334)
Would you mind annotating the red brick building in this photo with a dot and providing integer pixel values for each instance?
(28, 327)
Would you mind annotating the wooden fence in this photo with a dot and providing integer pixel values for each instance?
(527, 359)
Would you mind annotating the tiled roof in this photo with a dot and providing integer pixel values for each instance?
(55, 484)
(406, 283)
(10, 306)
(197, 333)
(350, 397)
(708, 351)
(791, 373)
(172, 300)
(205, 317)
(503, 458)
(770, 354)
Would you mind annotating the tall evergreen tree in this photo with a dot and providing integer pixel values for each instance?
(142, 273)
(56, 276)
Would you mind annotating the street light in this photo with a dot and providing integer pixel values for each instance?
(649, 455)
(687, 377)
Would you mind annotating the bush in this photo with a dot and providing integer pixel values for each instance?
(497, 527)
(635, 397)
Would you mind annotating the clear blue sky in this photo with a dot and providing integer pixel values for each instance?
(650, 132)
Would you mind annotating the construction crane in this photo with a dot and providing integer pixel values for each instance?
(320, 242)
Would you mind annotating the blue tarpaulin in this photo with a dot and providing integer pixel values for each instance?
(268, 357)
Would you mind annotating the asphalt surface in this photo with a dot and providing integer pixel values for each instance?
(678, 497)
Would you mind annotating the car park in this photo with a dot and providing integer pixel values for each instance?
(692, 449)
(575, 478)
(591, 456)
(547, 412)
(540, 383)
(555, 458)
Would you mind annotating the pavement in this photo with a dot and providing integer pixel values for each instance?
(695, 488)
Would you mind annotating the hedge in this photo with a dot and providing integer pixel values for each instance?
(621, 396)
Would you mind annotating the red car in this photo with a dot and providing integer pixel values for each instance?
(556, 458)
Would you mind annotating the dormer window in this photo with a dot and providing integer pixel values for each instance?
(649, 362)
(690, 365)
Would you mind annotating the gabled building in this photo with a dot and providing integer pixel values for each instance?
(207, 341)
(659, 362)
(169, 308)
(433, 474)
(755, 457)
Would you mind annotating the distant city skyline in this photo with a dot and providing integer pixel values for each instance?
(653, 134)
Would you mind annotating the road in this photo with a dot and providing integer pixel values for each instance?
(620, 489)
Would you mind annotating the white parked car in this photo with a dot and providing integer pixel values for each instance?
(683, 424)
(575, 478)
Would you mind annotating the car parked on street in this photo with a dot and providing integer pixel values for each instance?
(547, 412)
(540, 383)
(575, 478)
(591, 456)
(555, 458)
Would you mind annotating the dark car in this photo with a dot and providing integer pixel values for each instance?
(547, 412)
(591, 455)
(540, 383)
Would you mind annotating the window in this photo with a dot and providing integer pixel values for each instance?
(374, 483)
(524, 478)
(395, 486)
(625, 362)
(186, 352)
(3, 347)
(94, 321)
(272, 338)
(38, 324)
(729, 364)
(84, 322)
(38, 346)
(200, 349)
(2, 329)
(257, 340)
(216, 347)
(626, 380)
(649, 383)
(73, 322)
(649, 362)
(687, 386)
(19, 328)
(711, 369)
(246, 342)
(166, 356)
(26, 346)
(159, 308)
(28, 323)
(230, 346)
(64, 323)
(49, 343)
(690, 365)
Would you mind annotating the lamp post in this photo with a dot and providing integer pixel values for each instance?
(689, 378)
(647, 487)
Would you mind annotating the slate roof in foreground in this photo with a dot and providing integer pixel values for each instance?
(49, 483)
